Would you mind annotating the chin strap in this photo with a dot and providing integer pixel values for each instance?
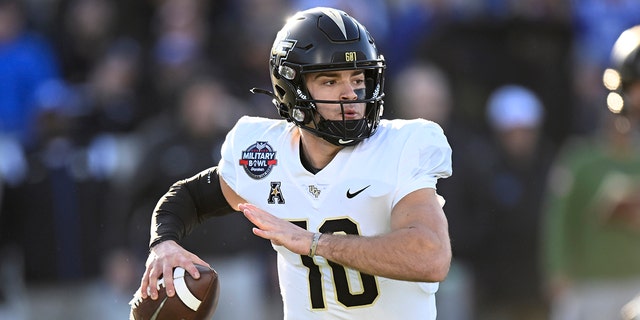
(333, 130)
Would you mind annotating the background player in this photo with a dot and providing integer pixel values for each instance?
(592, 226)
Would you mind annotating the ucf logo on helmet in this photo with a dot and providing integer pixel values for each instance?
(282, 49)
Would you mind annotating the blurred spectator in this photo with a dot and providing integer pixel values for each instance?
(26, 62)
(87, 29)
(60, 238)
(180, 41)
(422, 90)
(111, 100)
(494, 205)
(592, 227)
(515, 114)
(507, 266)
(249, 27)
(55, 222)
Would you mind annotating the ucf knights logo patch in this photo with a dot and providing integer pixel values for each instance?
(258, 160)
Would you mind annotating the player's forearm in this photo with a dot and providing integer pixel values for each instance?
(412, 254)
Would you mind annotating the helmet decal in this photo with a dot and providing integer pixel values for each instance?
(282, 48)
(337, 18)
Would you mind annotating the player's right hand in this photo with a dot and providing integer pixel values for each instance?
(163, 258)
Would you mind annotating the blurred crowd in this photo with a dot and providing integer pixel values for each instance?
(105, 103)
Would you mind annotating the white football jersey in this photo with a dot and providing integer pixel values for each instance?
(353, 194)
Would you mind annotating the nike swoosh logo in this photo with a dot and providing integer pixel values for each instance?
(154, 316)
(351, 195)
(340, 141)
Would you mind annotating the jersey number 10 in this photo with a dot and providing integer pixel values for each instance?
(344, 294)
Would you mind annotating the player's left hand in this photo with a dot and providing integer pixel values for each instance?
(280, 232)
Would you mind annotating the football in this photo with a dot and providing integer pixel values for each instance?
(194, 299)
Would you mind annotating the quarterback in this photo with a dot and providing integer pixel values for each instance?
(347, 199)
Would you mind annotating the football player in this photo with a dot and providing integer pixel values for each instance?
(592, 227)
(348, 200)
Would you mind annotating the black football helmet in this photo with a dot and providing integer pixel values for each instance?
(325, 39)
(625, 68)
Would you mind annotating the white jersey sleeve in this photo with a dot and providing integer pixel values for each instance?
(354, 194)
(425, 158)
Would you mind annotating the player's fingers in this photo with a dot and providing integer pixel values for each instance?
(244, 206)
(260, 233)
(253, 210)
(267, 236)
(167, 273)
(197, 260)
(144, 283)
(253, 216)
(153, 283)
(191, 268)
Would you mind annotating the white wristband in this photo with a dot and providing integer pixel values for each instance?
(314, 244)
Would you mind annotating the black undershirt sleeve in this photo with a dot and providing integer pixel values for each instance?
(187, 203)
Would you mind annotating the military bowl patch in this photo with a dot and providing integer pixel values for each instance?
(258, 160)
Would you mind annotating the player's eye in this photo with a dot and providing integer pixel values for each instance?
(359, 83)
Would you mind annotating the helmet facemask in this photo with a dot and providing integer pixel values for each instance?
(341, 132)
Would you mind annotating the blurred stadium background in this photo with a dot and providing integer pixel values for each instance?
(105, 103)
